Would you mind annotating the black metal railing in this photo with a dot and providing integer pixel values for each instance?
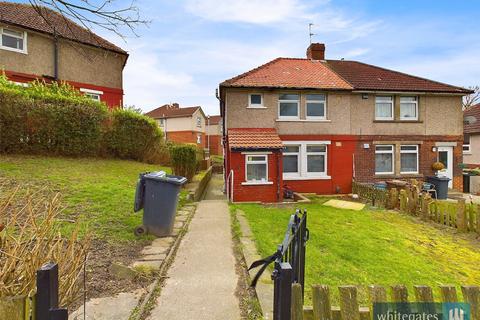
(289, 265)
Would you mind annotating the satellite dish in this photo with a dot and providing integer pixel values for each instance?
(470, 119)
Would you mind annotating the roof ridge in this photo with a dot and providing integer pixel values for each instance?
(403, 73)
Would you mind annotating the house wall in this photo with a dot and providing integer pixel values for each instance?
(473, 157)
(215, 145)
(186, 137)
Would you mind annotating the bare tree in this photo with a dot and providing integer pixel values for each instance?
(472, 99)
(90, 14)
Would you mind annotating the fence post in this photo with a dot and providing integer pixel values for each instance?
(403, 200)
(449, 293)
(297, 302)
(471, 294)
(322, 309)
(476, 209)
(461, 217)
(348, 303)
(282, 291)
(46, 298)
(303, 246)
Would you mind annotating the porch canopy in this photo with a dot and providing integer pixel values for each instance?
(254, 139)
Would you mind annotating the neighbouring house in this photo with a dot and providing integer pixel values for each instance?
(471, 133)
(181, 125)
(313, 125)
(214, 135)
(46, 46)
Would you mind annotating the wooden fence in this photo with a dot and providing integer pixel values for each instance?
(367, 191)
(350, 309)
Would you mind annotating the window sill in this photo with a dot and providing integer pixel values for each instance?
(260, 107)
(302, 120)
(256, 183)
(307, 178)
(397, 121)
(14, 50)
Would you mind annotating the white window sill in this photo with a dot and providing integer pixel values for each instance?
(302, 120)
(467, 152)
(13, 50)
(383, 173)
(254, 107)
(307, 178)
(256, 183)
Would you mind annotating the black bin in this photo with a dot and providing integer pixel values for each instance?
(157, 193)
(441, 185)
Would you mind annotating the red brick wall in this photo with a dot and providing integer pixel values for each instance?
(260, 193)
(216, 145)
(186, 137)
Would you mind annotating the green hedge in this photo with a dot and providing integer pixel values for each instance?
(57, 119)
(184, 160)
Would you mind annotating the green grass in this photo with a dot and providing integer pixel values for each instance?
(97, 193)
(370, 247)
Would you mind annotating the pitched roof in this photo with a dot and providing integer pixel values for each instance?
(215, 119)
(46, 21)
(172, 111)
(472, 119)
(334, 74)
(254, 138)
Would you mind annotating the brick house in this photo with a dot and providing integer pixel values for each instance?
(181, 125)
(50, 47)
(471, 130)
(214, 135)
(315, 124)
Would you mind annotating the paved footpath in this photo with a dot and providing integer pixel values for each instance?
(201, 282)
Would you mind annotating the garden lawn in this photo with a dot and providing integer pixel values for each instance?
(97, 193)
(370, 247)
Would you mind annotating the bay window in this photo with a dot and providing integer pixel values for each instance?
(408, 108)
(316, 106)
(384, 108)
(288, 106)
(409, 159)
(303, 160)
(384, 157)
(256, 168)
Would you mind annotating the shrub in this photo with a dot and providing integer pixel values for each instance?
(184, 160)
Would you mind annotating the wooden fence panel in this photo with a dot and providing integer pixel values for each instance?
(297, 302)
(348, 303)
(471, 294)
(322, 309)
(448, 293)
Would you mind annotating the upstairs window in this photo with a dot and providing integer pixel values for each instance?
(288, 106)
(408, 108)
(161, 122)
(466, 143)
(13, 40)
(255, 100)
(256, 168)
(383, 108)
(316, 106)
(199, 122)
(409, 159)
(384, 159)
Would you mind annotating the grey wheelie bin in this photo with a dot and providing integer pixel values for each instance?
(157, 193)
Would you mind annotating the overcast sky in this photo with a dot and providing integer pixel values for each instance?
(191, 46)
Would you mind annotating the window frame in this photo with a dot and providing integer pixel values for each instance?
(299, 160)
(416, 108)
(247, 162)
(199, 138)
(392, 152)
(468, 145)
(280, 101)
(416, 151)
(199, 122)
(92, 93)
(324, 101)
(392, 108)
(24, 38)
(303, 174)
(324, 153)
(255, 106)
(161, 122)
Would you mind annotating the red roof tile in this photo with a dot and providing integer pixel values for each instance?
(290, 73)
(334, 74)
(172, 111)
(472, 120)
(254, 138)
(26, 16)
(215, 119)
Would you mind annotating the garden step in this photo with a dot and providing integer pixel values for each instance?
(155, 250)
(154, 264)
(153, 257)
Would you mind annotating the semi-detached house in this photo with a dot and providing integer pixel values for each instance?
(314, 125)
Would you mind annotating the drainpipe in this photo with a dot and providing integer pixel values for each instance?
(208, 135)
(55, 55)
(278, 177)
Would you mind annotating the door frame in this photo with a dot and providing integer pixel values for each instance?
(449, 151)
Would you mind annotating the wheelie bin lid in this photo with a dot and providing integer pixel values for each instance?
(163, 177)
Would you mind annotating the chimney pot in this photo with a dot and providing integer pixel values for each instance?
(175, 105)
(316, 51)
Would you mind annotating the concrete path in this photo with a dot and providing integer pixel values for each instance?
(215, 188)
(202, 281)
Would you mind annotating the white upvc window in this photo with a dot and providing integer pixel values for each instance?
(92, 94)
(384, 108)
(305, 160)
(384, 159)
(199, 138)
(256, 168)
(466, 143)
(199, 122)
(408, 108)
(161, 122)
(13, 40)
(255, 100)
(316, 106)
(409, 159)
(288, 106)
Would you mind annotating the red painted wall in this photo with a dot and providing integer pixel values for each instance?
(112, 97)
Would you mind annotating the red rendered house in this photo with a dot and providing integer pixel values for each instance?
(313, 125)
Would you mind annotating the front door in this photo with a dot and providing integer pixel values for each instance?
(445, 156)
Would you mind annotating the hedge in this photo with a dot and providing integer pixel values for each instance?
(184, 160)
(56, 119)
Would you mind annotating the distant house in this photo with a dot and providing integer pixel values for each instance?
(49, 47)
(181, 125)
(471, 133)
(214, 135)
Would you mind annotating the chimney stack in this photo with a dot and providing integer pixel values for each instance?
(316, 51)
(175, 105)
